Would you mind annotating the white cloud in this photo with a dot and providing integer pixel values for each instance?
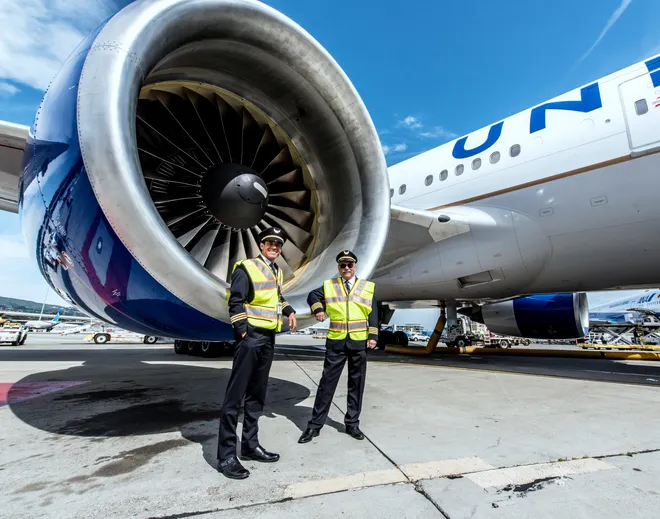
(13, 247)
(38, 35)
(411, 122)
(7, 88)
(438, 132)
(396, 148)
(610, 23)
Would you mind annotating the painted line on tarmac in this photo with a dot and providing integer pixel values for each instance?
(444, 468)
(506, 371)
(475, 469)
(404, 474)
(344, 483)
(530, 473)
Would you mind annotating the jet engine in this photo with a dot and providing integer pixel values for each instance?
(544, 316)
(198, 124)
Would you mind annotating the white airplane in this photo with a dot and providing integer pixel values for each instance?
(154, 162)
(45, 325)
(630, 309)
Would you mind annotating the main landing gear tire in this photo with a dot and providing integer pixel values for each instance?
(400, 338)
(179, 347)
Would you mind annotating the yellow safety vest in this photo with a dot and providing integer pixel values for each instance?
(265, 309)
(348, 313)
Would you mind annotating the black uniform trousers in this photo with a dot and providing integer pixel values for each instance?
(336, 355)
(253, 357)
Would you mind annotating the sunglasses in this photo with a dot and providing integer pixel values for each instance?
(347, 265)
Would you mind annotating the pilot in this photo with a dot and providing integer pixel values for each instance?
(351, 305)
(256, 306)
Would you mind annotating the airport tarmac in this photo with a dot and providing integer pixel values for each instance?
(122, 431)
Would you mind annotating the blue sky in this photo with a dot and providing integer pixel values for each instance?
(427, 71)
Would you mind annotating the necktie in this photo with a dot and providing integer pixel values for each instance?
(348, 285)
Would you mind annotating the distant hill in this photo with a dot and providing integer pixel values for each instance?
(21, 305)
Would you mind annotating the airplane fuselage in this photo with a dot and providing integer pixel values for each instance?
(569, 188)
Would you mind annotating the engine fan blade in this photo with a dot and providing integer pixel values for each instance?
(249, 137)
(200, 104)
(231, 128)
(172, 104)
(292, 177)
(186, 238)
(218, 260)
(202, 248)
(251, 245)
(268, 148)
(299, 217)
(292, 254)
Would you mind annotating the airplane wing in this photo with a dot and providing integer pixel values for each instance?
(412, 230)
(12, 146)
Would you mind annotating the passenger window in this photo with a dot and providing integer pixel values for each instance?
(402, 189)
(476, 164)
(459, 170)
(495, 157)
(641, 107)
(391, 193)
(515, 150)
(429, 180)
(444, 174)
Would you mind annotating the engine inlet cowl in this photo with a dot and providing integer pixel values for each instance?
(203, 123)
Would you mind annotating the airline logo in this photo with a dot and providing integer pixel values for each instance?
(589, 101)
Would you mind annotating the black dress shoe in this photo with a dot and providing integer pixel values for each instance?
(260, 454)
(355, 432)
(308, 435)
(232, 468)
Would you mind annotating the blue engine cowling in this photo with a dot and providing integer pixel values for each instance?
(75, 247)
(543, 316)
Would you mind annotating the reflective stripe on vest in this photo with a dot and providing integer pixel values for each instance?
(348, 312)
(262, 310)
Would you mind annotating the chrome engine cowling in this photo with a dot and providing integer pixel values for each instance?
(202, 122)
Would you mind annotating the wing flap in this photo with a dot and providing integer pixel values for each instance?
(12, 145)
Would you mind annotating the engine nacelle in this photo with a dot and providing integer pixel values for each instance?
(544, 316)
(171, 137)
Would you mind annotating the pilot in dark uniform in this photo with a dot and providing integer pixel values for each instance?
(256, 307)
(351, 305)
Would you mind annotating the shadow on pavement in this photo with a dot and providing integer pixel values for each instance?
(126, 397)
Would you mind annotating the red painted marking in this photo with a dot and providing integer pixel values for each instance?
(12, 393)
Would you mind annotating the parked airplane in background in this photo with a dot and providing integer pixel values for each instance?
(631, 309)
(45, 325)
(155, 161)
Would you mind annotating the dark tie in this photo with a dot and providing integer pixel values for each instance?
(348, 286)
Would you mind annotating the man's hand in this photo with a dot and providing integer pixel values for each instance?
(292, 322)
(320, 317)
(371, 344)
(243, 335)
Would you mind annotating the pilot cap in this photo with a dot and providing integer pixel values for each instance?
(346, 255)
(273, 234)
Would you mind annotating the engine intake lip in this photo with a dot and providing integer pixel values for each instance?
(302, 89)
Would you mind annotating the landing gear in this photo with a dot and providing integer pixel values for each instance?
(433, 341)
(206, 349)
